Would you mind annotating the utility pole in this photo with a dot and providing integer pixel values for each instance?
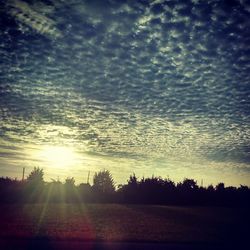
(23, 174)
(88, 177)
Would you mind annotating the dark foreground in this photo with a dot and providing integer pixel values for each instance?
(109, 226)
(72, 245)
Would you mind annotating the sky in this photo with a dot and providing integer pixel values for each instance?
(147, 87)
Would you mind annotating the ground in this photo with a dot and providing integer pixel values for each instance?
(123, 223)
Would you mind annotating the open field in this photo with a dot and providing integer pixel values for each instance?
(124, 223)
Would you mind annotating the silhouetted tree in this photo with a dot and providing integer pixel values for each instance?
(189, 184)
(10, 190)
(86, 193)
(55, 191)
(70, 181)
(210, 188)
(56, 181)
(243, 188)
(103, 182)
(129, 192)
(70, 193)
(33, 191)
(154, 190)
(36, 175)
(132, 181)
(220, 187)
(169, 191)
(187, 192)
(168, 184)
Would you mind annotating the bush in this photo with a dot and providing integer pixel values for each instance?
(103, 182)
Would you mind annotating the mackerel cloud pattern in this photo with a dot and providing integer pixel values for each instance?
(133, 79)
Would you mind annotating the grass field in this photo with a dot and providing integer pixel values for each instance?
(126, 223)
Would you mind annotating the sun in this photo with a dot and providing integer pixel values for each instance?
(59, 156)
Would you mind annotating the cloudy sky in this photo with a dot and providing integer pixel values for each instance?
(150, 87)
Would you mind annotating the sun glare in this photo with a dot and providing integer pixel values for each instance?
(57, 156)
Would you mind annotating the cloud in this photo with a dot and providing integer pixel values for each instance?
(135, 79)
(30, 16)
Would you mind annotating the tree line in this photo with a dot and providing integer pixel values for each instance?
(153, 190)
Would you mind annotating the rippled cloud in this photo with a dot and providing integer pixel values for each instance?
(147, 81)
